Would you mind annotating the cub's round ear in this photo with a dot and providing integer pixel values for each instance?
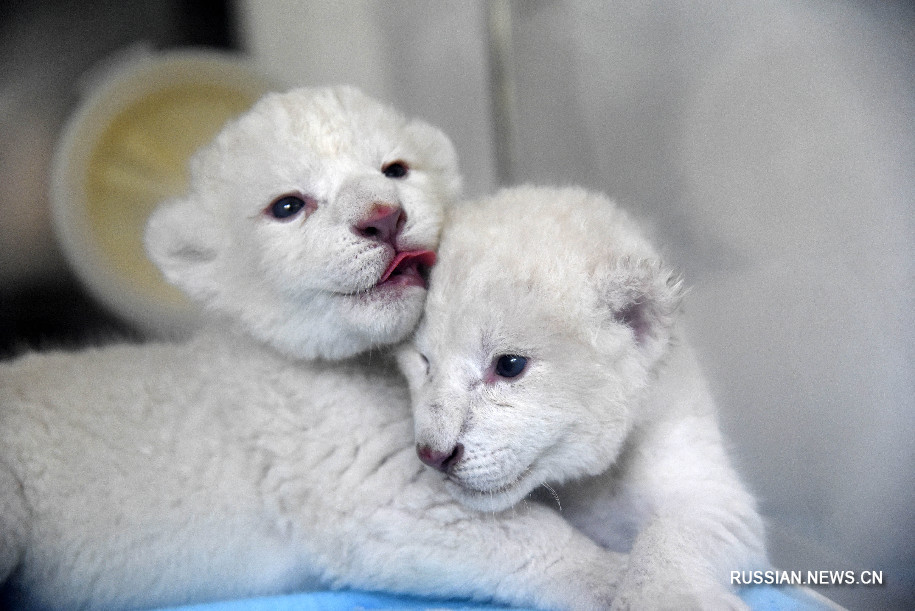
(438, 154)
(643, 295)
(182, 240)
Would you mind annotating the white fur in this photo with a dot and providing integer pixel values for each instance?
(161, 474)
(611, 410)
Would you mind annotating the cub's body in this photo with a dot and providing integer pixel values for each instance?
(215, 455)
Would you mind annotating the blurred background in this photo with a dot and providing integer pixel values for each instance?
(769, 145)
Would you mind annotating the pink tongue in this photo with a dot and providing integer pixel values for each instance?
(414, 257)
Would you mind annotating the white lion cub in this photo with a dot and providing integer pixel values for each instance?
(238, 463)
(549, 354)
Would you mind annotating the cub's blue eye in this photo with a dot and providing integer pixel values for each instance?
(395, 169)
(286, 207)
(510, 365)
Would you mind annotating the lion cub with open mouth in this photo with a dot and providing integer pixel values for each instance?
(549, 354)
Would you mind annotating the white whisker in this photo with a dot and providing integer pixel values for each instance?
(555, 496)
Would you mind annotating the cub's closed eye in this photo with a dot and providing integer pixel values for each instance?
(395, 169)
(287, 207)
(510, 365)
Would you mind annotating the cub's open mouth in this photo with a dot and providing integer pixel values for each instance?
(408, 268)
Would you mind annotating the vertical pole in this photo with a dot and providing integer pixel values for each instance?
(502, 88)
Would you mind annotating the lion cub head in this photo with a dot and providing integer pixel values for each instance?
(311, 221)
(547, 313)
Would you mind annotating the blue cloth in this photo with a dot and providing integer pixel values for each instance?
(344, 600)
(759, 598)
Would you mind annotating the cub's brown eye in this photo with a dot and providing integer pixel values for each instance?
(286, 207)
(395, 169)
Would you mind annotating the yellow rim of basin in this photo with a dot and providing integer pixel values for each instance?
(124, 150)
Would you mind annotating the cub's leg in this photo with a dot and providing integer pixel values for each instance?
(13, 522)
(704, 523)
(528, 556)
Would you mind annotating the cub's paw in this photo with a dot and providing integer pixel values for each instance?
(660, 594)
(592, 583)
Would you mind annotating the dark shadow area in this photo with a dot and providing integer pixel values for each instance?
(46, 48)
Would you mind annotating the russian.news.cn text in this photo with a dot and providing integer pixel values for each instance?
(806, 578)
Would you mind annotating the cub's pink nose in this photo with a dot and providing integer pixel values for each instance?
(443, 461)
(382, 223)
